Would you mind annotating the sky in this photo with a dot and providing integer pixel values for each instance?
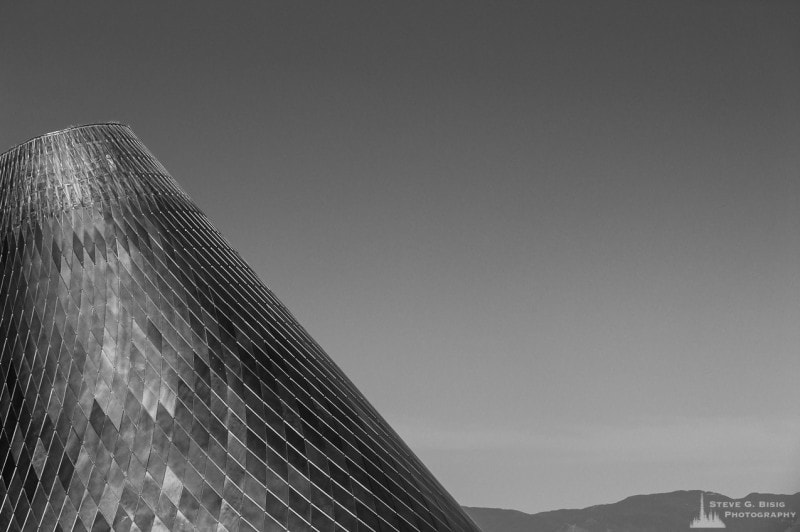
(554, 243)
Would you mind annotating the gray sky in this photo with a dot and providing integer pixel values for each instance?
(555, 244)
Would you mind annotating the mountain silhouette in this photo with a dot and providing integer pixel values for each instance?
(658, 512)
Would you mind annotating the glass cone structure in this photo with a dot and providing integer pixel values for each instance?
(151, 381)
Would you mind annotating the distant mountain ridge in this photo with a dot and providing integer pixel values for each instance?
(658, 512)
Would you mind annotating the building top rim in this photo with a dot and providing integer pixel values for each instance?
(59, 132)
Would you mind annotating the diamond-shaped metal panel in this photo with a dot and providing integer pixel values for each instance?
(150, 380)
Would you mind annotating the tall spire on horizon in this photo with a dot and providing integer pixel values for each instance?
(706, 519)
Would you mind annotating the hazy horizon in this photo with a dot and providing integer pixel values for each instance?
(554, 244)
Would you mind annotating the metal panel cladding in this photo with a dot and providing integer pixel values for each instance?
(151, 381)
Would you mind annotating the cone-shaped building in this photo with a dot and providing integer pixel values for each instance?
(150, 380)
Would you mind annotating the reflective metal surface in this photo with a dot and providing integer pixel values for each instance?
(150, 381)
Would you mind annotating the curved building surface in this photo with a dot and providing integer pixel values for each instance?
(151, 381)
